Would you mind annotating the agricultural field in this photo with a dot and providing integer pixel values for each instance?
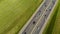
(53, 26)
(15, 13)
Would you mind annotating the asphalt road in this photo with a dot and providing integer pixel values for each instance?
(33, 22)
(39, 18)
(42, 20)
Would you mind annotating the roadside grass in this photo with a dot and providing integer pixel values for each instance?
(15, 13)
(56, 29)
(51, 23)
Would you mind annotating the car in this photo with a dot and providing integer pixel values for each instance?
(34, 22)
(49, 9)
(53, 2)
(24, 32)
(45, 5)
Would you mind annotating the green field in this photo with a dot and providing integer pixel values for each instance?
(53, 26)
(15, 13)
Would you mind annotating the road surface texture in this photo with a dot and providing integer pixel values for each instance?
(42, 20)
(39, 18)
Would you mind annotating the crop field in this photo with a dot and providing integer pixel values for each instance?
(53, 26)
(15, 13)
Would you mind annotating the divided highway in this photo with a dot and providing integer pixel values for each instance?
(40, 16)
(43, 18)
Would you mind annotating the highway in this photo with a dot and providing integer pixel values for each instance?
(42, 20)
(38, 20)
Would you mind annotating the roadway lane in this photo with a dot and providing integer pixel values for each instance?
(34, 20)
(43, 19)
(50, 9)
(40, 19)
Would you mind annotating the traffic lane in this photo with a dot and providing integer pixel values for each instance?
(39, 26)
(28, 30)
(32, 23)
(46, 15)
(53, 1)
(34, 30)
(29, 26)
(49, 9)
(45, 4)
(42, 9)
(48, 12)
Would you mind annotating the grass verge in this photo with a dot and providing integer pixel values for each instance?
(15, 13)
